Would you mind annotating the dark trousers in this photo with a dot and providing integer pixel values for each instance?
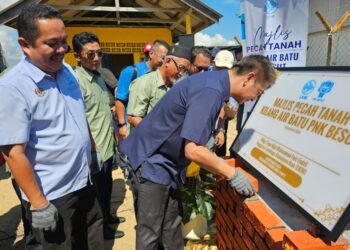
(158, 210)
(79, 223)
(103, 183)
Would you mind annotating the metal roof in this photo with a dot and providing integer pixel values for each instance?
(125, 13)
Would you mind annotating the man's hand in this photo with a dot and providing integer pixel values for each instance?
(241, 184)
(219, 139)
(45, 217)
(122, 132)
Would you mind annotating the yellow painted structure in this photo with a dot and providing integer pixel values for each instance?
(188, 25)
(120, 40)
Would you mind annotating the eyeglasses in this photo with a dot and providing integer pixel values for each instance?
(157, 55)
(180, 68)
(200, 68)
(91, 54)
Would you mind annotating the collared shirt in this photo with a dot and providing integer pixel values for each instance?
(98, 112)
(125, 79)
(187, 112)
(145, 92)
(47, 114)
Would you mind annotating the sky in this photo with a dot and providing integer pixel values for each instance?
(220, 34)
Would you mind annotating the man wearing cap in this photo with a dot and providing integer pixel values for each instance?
(224, 59)
(176, 131)
(156, 54)
(147, 90)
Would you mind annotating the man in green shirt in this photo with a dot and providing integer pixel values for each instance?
(146, 91)
(88, 53)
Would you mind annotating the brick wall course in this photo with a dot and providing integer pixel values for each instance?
(248, 223)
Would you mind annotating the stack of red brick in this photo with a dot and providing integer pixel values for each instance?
(250, 224)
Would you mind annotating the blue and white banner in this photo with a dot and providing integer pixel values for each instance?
(277, 29)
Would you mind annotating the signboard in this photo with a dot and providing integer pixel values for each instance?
(298, 137)
(277, 29)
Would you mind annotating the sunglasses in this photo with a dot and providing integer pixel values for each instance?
(180, 68)
(201, 68)
(91, 54)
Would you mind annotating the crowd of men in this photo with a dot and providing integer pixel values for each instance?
(61, 133)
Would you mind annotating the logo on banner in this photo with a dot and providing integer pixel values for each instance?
(325, 88)
(309, 87)
(270, 7)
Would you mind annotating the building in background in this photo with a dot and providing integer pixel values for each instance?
(125, 26)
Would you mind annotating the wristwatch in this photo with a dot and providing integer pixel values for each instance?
(121, 124)
(221, 130)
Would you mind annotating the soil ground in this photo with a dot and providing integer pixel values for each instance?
(11, 228)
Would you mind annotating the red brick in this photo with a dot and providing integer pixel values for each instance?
(274, 238)
(229, 200)
(235, 221)
(235, 245)
(240, 242)
(230, 237)
(303, 240)
(261, 217)
(221, 200)
(259, 242)
(248, 241)
(225, 238)
(227, 220)
(248, 227)
(219, 241)
(220, 223)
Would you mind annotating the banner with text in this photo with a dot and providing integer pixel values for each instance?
(298, 137)
(277, 29)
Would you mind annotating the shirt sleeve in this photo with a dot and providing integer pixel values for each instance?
(14, 117)
(124, 83)
(202, 111)
(139, 97)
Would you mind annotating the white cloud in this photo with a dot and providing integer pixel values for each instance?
(6, 3)
(207, 40)
(10, 47)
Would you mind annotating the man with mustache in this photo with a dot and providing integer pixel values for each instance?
(45, 138)
(147, 90)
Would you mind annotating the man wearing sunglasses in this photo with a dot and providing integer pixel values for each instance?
(200, 60)
(88, 54)
(147, 90)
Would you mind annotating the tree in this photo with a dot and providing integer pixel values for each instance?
(2, 60)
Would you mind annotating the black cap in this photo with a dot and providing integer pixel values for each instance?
(180, 51)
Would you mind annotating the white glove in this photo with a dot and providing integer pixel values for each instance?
(241, 183)
(45, 217)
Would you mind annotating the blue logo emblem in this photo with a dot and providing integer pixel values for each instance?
(307, 89)
(324, 88)
(270, 6)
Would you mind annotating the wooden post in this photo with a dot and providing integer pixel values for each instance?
(238, 40)
(188, 24)
(331, 31)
